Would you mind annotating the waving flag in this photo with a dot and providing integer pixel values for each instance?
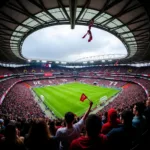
(83, 97)
(89, 32)
(116, 63)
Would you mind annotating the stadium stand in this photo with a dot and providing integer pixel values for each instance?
(119, 122)
(20, 106)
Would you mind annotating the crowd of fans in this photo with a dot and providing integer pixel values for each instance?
(122, 121)
(4, 85)
(4, 71)
(19, 102)
(82, 71)
(45, 82)
(115, 130)
(102, 82)
(130, 95)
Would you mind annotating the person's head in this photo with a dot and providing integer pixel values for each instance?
(69, 117)
(39, 130)
(52, 128)
(148, 103)
(93, 125)
(11, 132)
(138, 109)
(1, 122)
(112, 115)
(126, 117)
(106, 114)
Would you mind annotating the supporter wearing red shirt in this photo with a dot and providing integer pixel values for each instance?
(113, 121)
(93, 140)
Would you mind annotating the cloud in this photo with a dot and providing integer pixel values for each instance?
(63, 44)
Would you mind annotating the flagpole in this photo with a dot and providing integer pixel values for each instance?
(89, 99)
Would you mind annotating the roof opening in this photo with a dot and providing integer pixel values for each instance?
(60, 43)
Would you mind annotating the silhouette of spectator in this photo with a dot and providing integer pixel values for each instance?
(93, 139)
(112, 122)
(39, 137)
(71, 131)
(124, 134)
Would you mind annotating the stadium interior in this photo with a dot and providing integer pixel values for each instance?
(34, 91)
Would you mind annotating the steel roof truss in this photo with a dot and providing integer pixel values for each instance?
(63, 8)
(83, 9)
(73, 10)
(28, 13)
(133, 21)
(15, 21)
(45, 10)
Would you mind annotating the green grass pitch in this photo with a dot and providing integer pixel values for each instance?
(66, 97)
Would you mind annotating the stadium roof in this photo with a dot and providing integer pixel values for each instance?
(126, 19)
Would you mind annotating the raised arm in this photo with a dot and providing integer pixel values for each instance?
(88, 111)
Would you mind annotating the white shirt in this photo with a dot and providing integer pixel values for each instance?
(66, 135)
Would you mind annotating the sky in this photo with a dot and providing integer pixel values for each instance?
(60, 43)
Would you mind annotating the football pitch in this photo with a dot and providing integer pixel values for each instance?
(66, 97)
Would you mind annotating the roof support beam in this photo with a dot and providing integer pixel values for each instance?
(141, 43)
(7, 39)
(135, 29)
(5, 55)
(139, 27)
(141, 34)
(16, 47)
(4, 43)
(122, 12)
(42, 6)
(118, 14)
(105, 7)
(4, 46)
(143, 38)
(133, 21)
(147, 29)
(12, 20)
(14, 7)
(25, 11)
(137, 44)
(5, 33)
(129, 37)
(133, 37)
(73, 10)
(4, 29)
(63, 8)
(83, 9)
(3, 38)
(46, 11)
(9, 29)
(2, 33)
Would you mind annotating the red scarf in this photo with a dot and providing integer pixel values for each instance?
(89, 32)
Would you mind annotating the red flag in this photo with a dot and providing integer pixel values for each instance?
(116, 64)
(83, 97)
(90, 35)
(89, 32)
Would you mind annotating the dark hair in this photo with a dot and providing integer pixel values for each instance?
(11, 135)
(69, 117)
(10, 131)
(39, 131)
(127, 116)
(52, 128)
(93, 125)
(140, 108)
